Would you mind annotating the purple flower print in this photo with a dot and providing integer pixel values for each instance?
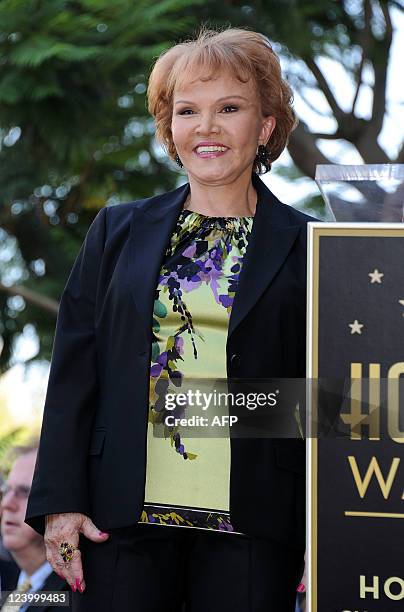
(225, 526)
(189, 251)
(155, 370)
(226, 300)
(197, 257)
(175, 377)
(179, 344)
(162, 359)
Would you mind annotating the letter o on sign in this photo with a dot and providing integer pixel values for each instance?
(387, 585)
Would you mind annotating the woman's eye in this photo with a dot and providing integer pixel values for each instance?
(186, 111)
(230, 109)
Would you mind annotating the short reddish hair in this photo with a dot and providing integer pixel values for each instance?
(246, 55)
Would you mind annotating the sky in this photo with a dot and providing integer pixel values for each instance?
(22, 390)
(340, 152)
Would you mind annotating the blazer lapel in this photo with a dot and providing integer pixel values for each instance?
(272, 236)
(151, 228)
(153, 222)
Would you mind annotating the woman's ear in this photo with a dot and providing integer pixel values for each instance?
(268, 127)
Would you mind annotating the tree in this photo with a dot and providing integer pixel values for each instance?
(75, 135)
(357, 36)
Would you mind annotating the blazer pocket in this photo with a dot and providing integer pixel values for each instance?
(288, 459)
(97, 442)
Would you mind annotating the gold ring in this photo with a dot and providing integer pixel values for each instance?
(66, 551)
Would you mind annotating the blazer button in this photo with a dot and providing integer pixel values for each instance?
(235, 361)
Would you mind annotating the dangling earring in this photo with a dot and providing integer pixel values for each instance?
(262, 154)
(262, 157)
(178, 161)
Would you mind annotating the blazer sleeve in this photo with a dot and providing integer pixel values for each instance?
(60, 476)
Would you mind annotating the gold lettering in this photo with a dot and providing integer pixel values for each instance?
(387, 585)
(393, 412)
(374, 468)
(363, 589)
(356, 418)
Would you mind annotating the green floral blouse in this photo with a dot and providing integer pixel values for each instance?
(187, 478)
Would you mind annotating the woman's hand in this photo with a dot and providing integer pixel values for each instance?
(66, 527)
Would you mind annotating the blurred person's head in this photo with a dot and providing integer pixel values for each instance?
(4, 554)
(24, 543)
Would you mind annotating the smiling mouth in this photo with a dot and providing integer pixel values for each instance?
(210, 150)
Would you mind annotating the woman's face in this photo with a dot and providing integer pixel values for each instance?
(217, 126)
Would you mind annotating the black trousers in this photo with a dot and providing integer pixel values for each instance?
(152, 568)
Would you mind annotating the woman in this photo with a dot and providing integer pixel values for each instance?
(204, 282)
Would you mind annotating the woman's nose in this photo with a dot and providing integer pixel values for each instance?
(207, 124)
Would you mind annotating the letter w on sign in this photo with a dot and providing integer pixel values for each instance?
(374, 468)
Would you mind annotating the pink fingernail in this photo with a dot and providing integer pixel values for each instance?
(78, 581)
(301, 588)
(103, 533)
(73, 587)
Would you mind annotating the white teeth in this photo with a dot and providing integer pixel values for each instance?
(209, 149)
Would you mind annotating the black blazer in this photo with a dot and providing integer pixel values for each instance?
(92, 453)
(52, 583)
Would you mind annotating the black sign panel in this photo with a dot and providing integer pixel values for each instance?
(356, 476)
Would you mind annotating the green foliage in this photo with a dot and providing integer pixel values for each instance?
(74, 129)
(75, 132)
(72, 63)
(7, 443)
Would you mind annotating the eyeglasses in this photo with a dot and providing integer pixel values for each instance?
(20, 491)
